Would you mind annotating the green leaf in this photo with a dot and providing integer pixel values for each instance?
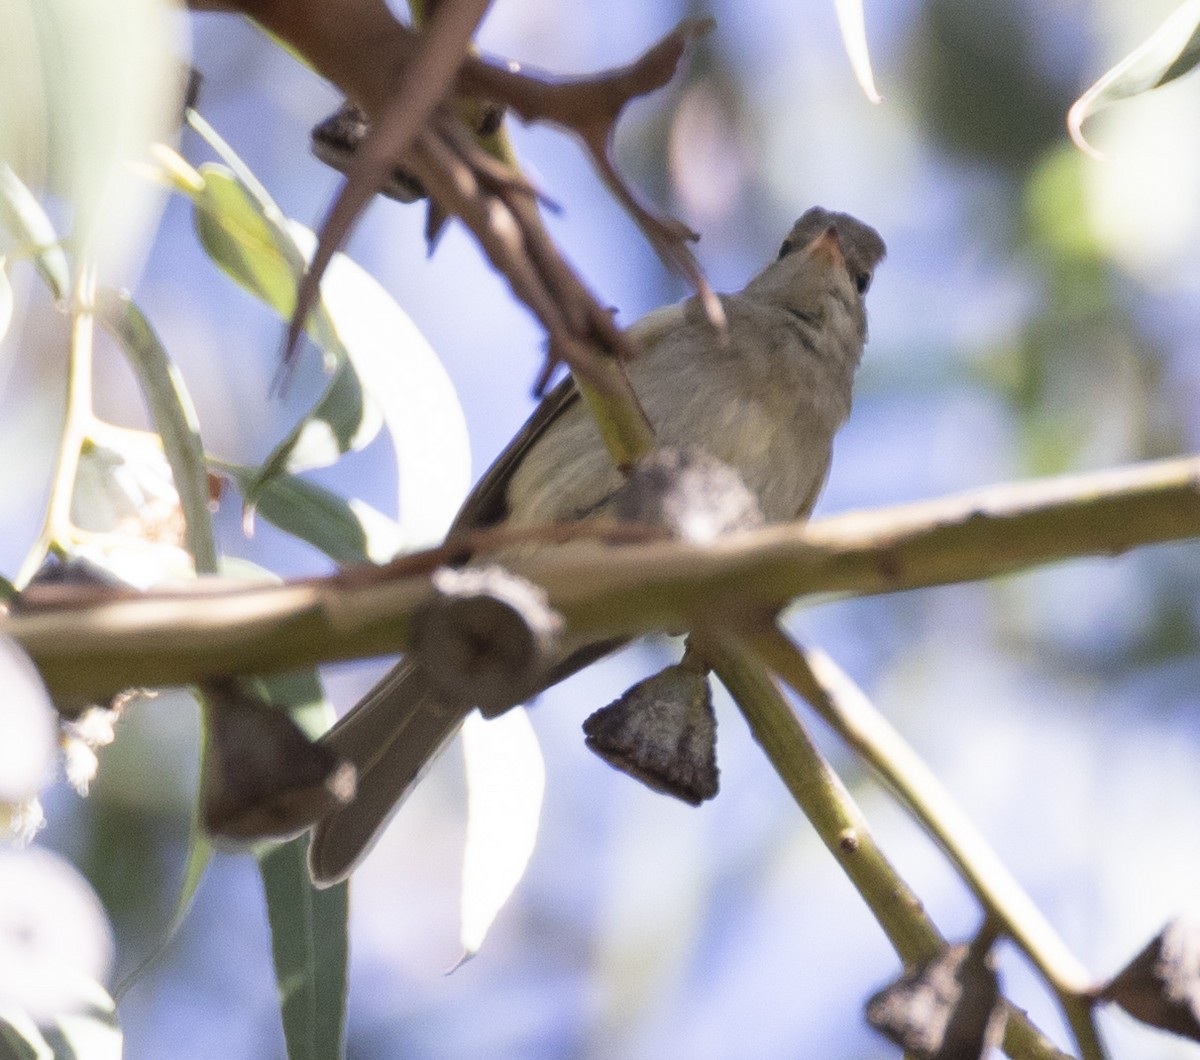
(342, 420)
(299, 692)
(1185, 62)
(309, 937)
(395, 377)
(92, 1034)
(174, 418)
(347, 531)
(1170, 52)
(310, 947)
(200, 851)
(33, 232)
(249, 239)
(20, 1039)
(402, 375)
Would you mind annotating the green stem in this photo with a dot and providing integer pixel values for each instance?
(77, 421)
(847, 710)
(839, 822)
(623, 425)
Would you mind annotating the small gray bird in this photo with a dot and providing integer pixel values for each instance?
(766, 400)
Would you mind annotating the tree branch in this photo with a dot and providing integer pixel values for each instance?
(839, 823)
(97, 642)
(398, 77)
(830, 692)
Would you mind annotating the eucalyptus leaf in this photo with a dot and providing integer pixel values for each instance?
(506, 779)
(402, 375)
(854, 37)
(396, 378)
(174, 418)
(309, 941)
(1185, 62)
(309, 926)
(20, 1038)
(33, 232)
(347, 531)
(90, 1034)
(342, 420)
(1170, 52)
(200, 852)
(248, 238)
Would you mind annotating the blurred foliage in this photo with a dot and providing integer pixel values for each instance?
(988, 91)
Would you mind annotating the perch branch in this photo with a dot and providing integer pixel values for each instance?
(97, 642)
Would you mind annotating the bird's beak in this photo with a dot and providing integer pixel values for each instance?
(827, 245)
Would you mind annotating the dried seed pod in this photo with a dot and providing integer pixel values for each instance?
(261, 776)
(663, 732)
(488, 639)
(945, 1009)
(692, 495)
(1161, 985)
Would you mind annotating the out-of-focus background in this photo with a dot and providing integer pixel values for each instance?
(1037, 313)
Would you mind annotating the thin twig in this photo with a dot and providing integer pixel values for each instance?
(839, 823)
(427, 78)
(77, 420)
(819, 680)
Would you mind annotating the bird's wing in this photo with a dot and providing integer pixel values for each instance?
(487, 503)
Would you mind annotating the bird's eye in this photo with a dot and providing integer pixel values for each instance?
(787, 248)
(862, 281)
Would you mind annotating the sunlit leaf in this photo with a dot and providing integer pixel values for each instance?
(84, 89)
(400, 372)
(395, 374)
(347, 531)
(854, 36)
(20, 1038)
(310, 947)
(1170, 52)
(174, 418)
(89, 1034)
(309, 937)
(344, 418)
(27, 223)
(250, 241)
(200, 851)
(506, 778)
(28, 733)
(56, 944)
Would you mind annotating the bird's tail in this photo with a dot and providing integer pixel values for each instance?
(391, 737)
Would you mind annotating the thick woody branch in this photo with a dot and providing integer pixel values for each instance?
(96, 643)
